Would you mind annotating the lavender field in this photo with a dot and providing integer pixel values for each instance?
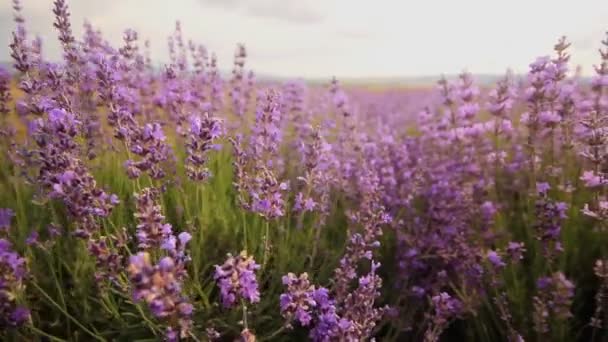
(179, 202)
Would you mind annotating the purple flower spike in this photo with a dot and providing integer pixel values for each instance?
(237, 280)
(159, 286)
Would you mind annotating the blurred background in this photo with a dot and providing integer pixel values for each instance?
(351, 39)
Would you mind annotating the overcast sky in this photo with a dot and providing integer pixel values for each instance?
(347, 38)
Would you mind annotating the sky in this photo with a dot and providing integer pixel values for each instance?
(345, 38)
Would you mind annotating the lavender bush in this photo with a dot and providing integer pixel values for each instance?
(464, 212)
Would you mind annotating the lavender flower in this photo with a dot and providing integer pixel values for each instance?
(445, 308)
(359, 306)
(18, 46)
(297, 302)
(13, 273)
(109, 261)
(315, 193)
(176, 249)
(215, 85)
(5, 94)
(495, 260)
(237, 81)
(555, 294)
(152, 231)
(71, 54)
(237, 281)
(360, 246)
(329, 325)
(516, 251)
(594, 124)
(64, 176)
(549, 215)
(148, 142)
(204, 130)
(6, 216)
(257, 183)
(598, 320)
(160, 288)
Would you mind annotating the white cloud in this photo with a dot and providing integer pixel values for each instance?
(348, 38)
(289, 11)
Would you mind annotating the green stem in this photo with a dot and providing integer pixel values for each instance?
(266, 243)
(47, 335)
(61, 296)
(274, 334)
(85, 329)
(245, 244)
(245, 324)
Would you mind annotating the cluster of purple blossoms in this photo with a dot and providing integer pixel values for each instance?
(298, 301)
(117, 97)
(152, 231)
(239, 164)
(467, 93)
(458, 99)
(445, 220)
(204, 130)
(64, 175)
(68, 42)
(62, 24)
(359, 307)
(37, 79)
(6, 216)
(5, 94)
(546, 80)
(267, 195)
(237, 83)
(13, 272)
(215, 85)
(200, 63)
(7, 131)
(595, 124)
(266, 134)
(339, 98)
(296, 113)
(516, 251)
(497, 262)
(329, 326)
(502, 98)
(119, 90)
(19, 48)
(176, 99)
(501, 101)
(371, 217)
(109, 261)
(294, 98)
(315, 193)
(549, 215)
(148, 142)
(160, 287)
(175, 247)
(237, 280)
(256, 171)
(78, 189)
(445, 309)
(554, 299)
(350, 313)
(599, 318)
(56, 139)
(312, 307)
